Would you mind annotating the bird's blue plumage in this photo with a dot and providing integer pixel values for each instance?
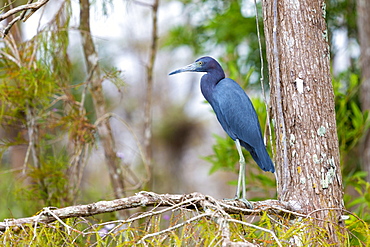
(238, 118)
(233, 109)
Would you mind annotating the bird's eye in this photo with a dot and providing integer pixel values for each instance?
(200, 63)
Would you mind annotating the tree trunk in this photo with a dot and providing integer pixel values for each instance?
(363, 20)
(149, 96)
(302, 100)
(104, 129)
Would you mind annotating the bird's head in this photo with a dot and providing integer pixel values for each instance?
(203, 64)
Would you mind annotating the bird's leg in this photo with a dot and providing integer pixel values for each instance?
(241, 179)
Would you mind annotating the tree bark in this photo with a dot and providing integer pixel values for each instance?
(363, 20)
(302, 99)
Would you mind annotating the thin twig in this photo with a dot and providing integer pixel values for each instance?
(48, 211)
(21, 8)
(35, 230)
(33, 7)
(32, 136)
(24, 12)
(196, 218)
(279, 101)
(138, 143)
(85, 87)
(13, 46)
(10, 25)
(262, 79)
(258, 228)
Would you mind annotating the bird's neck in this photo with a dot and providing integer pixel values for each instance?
(209, 81)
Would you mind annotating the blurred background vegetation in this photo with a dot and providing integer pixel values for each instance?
(46, 102)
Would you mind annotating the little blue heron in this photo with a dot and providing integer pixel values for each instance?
(236, 114)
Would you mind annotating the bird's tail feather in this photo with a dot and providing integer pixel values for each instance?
(263, 160)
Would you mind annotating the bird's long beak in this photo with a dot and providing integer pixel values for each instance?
(189, 68)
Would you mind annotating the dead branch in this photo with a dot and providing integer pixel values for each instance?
(23, 7)
(194, 200)
(33, 7)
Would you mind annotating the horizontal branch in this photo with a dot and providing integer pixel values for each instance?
(144, 199)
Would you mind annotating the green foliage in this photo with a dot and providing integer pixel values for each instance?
(26, 94)
(22, 87)
(358, 201)
(11, 205)
(352, 123)
(50, 187)
(45, 106)
(224, 155)
(37, 104)
(114, 75)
